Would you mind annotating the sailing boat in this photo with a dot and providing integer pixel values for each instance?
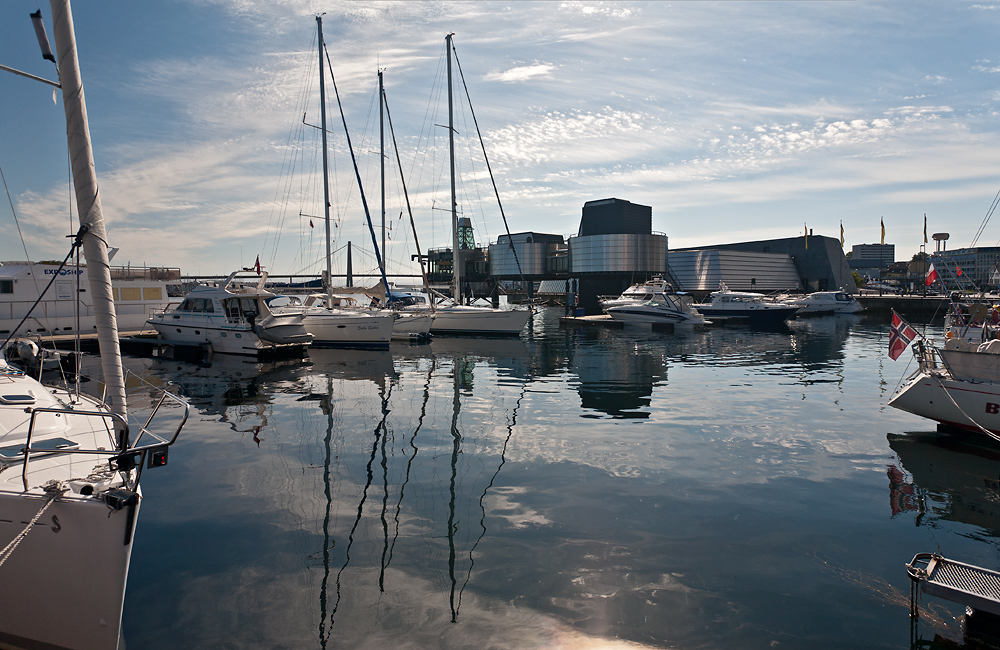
(323, 317)
(409, 325)
(70, 493)
(459, 318)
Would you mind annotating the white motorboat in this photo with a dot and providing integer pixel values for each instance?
(826, 302)
(70, 464)
(338, 321)
(663, 307)
(232, 319)
(637, 293)
(742, 304)
(137, 291)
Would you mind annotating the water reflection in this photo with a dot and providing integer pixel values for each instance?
(618, 370)
(575, 488)
(946, 477)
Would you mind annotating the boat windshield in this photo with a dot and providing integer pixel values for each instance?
(197, 304)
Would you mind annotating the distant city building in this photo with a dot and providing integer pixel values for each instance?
(884, 253)
(978, 265)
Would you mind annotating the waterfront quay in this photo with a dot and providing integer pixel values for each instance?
(906, 305)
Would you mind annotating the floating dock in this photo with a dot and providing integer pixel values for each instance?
(602, 320)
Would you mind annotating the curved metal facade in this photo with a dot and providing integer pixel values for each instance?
(530, 255)
(618, 253)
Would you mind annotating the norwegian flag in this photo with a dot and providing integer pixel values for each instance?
(900, 336)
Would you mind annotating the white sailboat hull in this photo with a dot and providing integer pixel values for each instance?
(963, 404)
(64, 585)
(479, 320)
(337, 328)
(409, 325)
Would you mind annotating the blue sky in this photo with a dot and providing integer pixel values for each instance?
(733, 120)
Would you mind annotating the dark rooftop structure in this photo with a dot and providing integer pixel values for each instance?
(615, 216)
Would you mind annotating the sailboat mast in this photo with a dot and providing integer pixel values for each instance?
(381, 157)
(88, 203)
(456, 255)
(326, 175)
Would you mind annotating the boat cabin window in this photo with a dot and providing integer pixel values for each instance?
(843, 297)
(239, 307)
(197, 304)
(284, 301)
(6, 286)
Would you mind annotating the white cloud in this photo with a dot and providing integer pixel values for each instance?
(522, 73)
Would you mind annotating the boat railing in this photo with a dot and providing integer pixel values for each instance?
(126, 455)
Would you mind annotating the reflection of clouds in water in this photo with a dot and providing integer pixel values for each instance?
(411, 613)
(501, 503)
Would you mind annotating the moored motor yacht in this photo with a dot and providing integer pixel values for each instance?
(827, 302)
(654, 302)
(232, 319)
(637, 293)
(742, 304)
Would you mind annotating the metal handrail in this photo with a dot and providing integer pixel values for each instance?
(127, 448)
(31, 429)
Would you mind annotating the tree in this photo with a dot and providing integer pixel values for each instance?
(858, 280)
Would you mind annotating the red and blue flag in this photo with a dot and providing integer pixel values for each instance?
(900, 336)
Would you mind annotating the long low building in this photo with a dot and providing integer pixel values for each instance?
(705, 270)
(819, 264)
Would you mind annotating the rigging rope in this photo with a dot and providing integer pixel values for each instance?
(986, 220)
(488, 167)
(54, 489)
(77, 242)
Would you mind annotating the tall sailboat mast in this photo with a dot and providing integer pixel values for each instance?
(326, 175)
(88, 203)
(381, 156)
(456, 256)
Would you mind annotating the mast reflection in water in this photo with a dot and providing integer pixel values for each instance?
(574, 488)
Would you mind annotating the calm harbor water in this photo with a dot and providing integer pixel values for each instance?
(572, 489)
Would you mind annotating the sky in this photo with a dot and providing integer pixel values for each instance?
(735, 121)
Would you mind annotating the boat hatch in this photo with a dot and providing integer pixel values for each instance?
(50, 445)
(17, 399)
